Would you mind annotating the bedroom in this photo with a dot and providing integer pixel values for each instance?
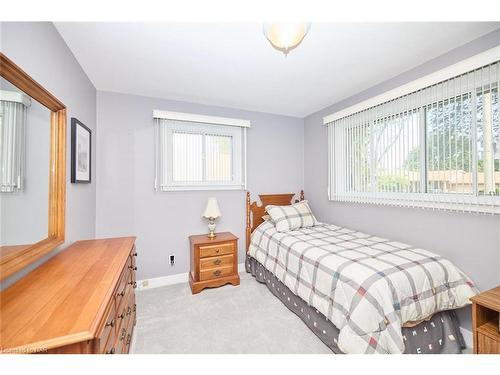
(217, 187)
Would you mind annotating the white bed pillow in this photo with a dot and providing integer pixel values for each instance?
(295, 216)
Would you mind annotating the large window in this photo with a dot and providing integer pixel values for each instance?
(199, 155)
(436, 147)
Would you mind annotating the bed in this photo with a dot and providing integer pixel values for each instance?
(357, 292)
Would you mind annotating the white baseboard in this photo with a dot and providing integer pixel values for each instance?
(178, 278)
(467, 337)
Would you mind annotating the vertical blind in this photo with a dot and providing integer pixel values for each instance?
(438, 147)
(199, 156)
(13, 117)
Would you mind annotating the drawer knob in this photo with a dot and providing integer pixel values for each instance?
(134, 308)
(129, 310)
(217, 273)
(217, 262)
(111, 324)
(121, 294)
(128, 339)
(217, 251)
(111, 351)
(133, 283)
(122, 315)
(133, 268)
(134, 254)
(122, 336)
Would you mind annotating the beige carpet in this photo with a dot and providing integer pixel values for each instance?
(243, 319)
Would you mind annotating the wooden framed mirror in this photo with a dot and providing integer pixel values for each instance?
(42, 177)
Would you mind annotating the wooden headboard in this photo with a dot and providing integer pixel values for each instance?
(255, 212)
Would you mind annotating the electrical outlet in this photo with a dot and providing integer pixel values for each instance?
(172, 260)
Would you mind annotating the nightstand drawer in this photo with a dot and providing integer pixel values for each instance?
(215, 273)
(214, 250)
(212, 262)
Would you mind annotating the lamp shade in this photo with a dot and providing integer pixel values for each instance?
(212, 209)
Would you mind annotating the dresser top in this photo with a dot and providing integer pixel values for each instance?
(62, 301)
(202, 239)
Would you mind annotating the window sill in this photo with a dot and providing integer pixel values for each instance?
(200, 188)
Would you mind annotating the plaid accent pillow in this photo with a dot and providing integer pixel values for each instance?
(295, 216)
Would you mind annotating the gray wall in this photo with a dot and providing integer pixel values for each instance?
(40, 51)
(162, 221)
(471, 241)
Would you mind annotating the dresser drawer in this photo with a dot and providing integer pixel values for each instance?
(110, 346)
(212, 262)
(121, 290)
(214, 250)
(107, 335)
(215, 273)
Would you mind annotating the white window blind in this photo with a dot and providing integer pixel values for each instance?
(199, 155)
(437, 147)
(13, 116)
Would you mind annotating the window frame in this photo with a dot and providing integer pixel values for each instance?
(448, 201)
(164, 158)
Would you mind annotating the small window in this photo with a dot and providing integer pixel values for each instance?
(199, 155)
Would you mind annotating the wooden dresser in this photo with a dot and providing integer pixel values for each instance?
(214, 262)
(80, 301)
(485, 321)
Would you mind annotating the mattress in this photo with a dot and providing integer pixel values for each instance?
(367, 286)
(438, 335)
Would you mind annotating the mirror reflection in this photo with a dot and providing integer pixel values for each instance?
(24, 169)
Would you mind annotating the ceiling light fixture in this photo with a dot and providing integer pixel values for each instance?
(285, 36)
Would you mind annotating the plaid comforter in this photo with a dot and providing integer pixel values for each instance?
(367, 286)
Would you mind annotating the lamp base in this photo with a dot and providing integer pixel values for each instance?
(211, 228)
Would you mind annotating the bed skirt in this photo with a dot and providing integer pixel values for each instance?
(439, 335)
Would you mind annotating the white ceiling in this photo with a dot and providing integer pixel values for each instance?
(233, 65)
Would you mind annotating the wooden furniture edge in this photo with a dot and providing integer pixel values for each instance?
(94, 327)
(253, 209)
(57, 169)
(45, 345)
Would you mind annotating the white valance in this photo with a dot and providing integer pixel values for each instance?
(16, 97)
(204, 119)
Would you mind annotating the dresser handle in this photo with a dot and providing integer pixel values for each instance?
(133, 268)
(133, 283)
(128, 339)
(135, 306)
(111, 351)
(122, 336)
(122, 315)
(121, 294)
(134, 254)
(217, 273)
(217, 262)
(129, 310)
(111, 324)
(217, 251)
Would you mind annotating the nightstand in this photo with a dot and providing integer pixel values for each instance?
(485, 321)
(214, 262)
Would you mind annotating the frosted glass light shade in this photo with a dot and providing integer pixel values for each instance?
(212, 209)
(286, 36)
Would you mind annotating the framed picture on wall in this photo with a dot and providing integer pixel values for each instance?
(81, 146)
